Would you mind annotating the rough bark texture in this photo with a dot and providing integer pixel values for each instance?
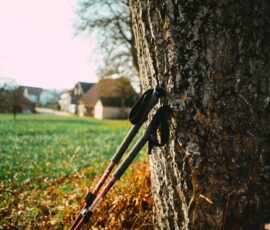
(213, 59)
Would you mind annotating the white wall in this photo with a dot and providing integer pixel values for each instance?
(81, 110)
(64, 102)
(115, 112)
(72, 108)
(101, 112)
(98, 110)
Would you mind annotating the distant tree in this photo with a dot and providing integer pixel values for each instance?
(7, 83)
(17, 101)
(12, 98)
(3, 100)
(111, 19)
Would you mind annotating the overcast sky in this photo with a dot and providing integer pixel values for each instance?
(38, 46)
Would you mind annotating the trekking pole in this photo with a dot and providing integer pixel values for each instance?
(151, 130)
(137, 116)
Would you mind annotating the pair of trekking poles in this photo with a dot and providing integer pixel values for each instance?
(138, 115)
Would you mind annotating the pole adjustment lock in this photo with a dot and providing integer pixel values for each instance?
(86, 214)
(89, 199)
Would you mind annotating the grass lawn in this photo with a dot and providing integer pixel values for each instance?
(47, 165)
(35, 146)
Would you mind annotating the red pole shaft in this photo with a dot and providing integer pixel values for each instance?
(103, 178)
(98, 201)
(75, 223)
(95, 192)
(79, 225)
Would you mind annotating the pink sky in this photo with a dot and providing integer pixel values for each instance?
(38, 47)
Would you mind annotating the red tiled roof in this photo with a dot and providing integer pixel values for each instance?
(109, 88)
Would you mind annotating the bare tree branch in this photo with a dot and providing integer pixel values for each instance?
(111, 19)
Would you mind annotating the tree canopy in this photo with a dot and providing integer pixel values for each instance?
(111, 20)
(12, 98)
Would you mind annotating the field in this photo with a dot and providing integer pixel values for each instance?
(46, 146)
(47, 164)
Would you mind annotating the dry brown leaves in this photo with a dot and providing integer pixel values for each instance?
(54, 204)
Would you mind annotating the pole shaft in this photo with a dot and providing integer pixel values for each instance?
(76, 222)
(131, 156)
(79, 225)
(125, 143)
(103, 178)
(115, 160)
(102, 194)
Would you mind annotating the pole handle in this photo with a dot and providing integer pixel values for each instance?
(141, 109)
(137, 116)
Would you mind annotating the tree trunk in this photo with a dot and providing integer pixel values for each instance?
(212, 57)
(14, 110)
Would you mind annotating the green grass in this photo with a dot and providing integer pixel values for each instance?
(44, 146)
(48, 163)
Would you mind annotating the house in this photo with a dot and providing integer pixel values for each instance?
(68, 100)
(109, 98)
(32, 93)
(48, 97)
(65, 100)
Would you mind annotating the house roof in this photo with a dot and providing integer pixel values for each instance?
(33, 90)
(85, 85)
(111, 92)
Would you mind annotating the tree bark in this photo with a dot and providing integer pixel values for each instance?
(212, 57)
